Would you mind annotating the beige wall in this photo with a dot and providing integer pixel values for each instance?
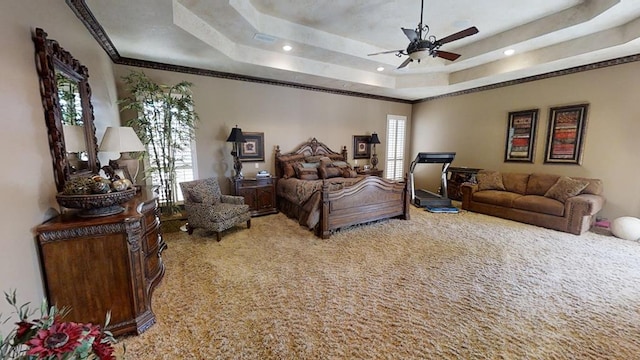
(27, 187)
(286, 116)
(474, 126)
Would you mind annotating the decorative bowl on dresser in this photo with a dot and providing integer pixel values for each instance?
(95, 205)
(101, 264)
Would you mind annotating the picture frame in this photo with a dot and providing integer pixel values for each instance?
(253, 149)
(361, 147)
(521, 136)
(566, 134)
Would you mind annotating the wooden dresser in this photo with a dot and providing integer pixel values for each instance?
(258, 193)
(111, 263)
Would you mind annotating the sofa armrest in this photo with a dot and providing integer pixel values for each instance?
(232, 199)
(467, 193)
(585, 204)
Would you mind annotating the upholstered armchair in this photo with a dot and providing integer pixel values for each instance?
(209, 209)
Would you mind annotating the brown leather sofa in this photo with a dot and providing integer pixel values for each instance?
(551, 201)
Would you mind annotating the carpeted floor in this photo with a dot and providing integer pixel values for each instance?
(440, 286)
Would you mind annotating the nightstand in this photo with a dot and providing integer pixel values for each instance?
(259, 194)
(371, 172)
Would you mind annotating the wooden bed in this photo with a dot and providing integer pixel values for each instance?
(325, 205)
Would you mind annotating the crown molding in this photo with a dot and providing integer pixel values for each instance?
(82, 11)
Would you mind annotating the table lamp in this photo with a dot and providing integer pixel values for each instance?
(123, 140)
(374, 157)
(75, 143)
(236, 137)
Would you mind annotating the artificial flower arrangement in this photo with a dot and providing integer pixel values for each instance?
(48, 337)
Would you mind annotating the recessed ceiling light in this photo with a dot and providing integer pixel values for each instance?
(287, 48)
(509, 52)
(380, 68)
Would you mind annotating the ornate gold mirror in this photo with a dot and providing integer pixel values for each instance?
(66, 99)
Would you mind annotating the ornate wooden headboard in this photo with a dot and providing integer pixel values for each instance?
(312, 147)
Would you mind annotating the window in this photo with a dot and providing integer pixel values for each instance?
(396, 126)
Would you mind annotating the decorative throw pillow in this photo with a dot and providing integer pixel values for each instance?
(348, 173)
(325, 161)
(309, 165)
(194, 197)
(289, 170)
(322, 171)
(304, 173)
(333, 172)
(313, 158)
(489, 180)
(565, 188)
(341, 164)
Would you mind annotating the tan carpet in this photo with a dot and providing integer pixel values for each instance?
(439, 286)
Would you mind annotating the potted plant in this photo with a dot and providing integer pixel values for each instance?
(48, 337)
(164, 120)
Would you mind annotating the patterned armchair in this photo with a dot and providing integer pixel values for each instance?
(209, 209)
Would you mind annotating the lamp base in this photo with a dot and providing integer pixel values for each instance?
(374, 162)
(127, 162)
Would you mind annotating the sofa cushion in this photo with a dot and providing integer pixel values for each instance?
(538, 184)
(565, 188)
(515, 182)
(594, 187)
(495, 197)
(489, 180)
(539, 204)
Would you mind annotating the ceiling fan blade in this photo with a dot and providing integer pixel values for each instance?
(459, 35)
(385, 52)
(405, 63)
(411, 34)
(447, 55)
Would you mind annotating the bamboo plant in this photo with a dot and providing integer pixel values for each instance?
(164, 119)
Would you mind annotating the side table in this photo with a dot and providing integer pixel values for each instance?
(259, 193)
(371, 172)
(458, 176)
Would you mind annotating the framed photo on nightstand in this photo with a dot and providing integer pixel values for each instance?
(253, 149)
(361, 147)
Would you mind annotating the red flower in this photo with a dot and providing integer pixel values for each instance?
(24, 328)
(59, 339)
(103, 350)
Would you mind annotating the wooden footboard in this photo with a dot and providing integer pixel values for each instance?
(371, 199)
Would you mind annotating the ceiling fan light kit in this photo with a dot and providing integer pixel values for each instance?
(422, 46)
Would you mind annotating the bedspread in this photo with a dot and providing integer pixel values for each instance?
(307, 196)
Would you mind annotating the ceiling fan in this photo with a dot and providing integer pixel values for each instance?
(421, 46)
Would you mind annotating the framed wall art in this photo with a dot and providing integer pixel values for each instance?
(361, 147)
(566, 133)
(253, 149)
(521, 135)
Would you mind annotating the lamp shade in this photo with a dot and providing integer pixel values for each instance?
(236, 135)
(374, 139)
(74, 138)
(121, 139)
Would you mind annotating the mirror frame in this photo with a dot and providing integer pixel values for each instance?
(50, 56)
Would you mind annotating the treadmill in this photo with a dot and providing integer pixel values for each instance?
(427, 199)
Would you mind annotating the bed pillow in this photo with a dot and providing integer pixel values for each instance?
(305, 173)
(289, 170)
(313, 158)
(333, 172)
(565, 188)
(308, 165)
(489, 180)
(349, 173)
(328, 172)
(341, 164)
